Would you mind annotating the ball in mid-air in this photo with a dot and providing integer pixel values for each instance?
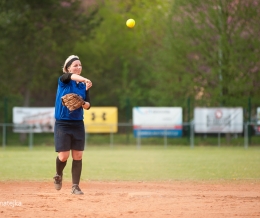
(130, 23)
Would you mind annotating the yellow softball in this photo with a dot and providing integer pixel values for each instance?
(130, 23)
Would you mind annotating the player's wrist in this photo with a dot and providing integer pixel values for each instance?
(86, 105)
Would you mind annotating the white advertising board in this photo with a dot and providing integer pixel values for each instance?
(258, 116)
(218, 120)
(35, 119)
(157, 121)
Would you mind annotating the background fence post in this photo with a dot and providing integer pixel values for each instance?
(111, 136)
(31, 137)
(188, 118)
(249, 130)
(246, 135)
(4, 135)
(191, 134)
(138, 139)
(219, 137)
(165, 138)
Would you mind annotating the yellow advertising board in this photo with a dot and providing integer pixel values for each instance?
(101, 120)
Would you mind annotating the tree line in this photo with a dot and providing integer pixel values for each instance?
(180, 53)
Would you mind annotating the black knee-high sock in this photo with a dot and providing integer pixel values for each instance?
(60, 166)
(76, 171)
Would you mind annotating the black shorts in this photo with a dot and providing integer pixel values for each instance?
(69, 135)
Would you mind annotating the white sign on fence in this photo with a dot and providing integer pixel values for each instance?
(157, 121)
(218, 120)
(258, 116)
(35, 119)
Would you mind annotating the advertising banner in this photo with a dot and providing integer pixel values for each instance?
(101, 120)
(157, 121)
(35, 119)
(258, 116)
(257, 126)
(218, 120)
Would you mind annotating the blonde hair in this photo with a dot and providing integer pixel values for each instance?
(64, 68)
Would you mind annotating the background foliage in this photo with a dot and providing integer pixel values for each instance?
(203, 51)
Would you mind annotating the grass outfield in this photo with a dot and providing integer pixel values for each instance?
(148, 163)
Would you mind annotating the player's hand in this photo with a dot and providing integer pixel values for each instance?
(88, 84)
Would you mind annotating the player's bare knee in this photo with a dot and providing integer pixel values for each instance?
(77, 155)
(63, 159)
(63, 156)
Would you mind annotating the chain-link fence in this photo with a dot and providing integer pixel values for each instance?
(125, 136)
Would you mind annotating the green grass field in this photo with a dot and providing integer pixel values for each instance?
(147, 163)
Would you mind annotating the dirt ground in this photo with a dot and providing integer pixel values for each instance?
(132, 199)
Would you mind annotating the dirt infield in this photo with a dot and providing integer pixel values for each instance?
(132, 199)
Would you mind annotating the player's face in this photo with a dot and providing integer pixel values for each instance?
(75, 67)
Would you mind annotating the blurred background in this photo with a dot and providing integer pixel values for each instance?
(181, 53)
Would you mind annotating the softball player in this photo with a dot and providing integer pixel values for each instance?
(69, 131)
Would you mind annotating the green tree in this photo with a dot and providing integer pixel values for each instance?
(35, 38)
(210, 51)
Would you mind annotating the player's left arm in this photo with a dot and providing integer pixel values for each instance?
(87, 105)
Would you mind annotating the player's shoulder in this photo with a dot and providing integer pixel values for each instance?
(65, 78)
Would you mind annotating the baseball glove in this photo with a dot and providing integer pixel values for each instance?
(72, 101)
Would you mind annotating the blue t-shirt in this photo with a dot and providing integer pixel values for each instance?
(62, 112)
